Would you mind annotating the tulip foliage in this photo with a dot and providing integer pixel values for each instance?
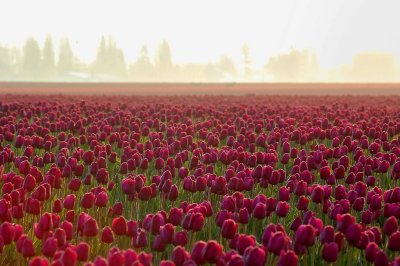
(194, 180)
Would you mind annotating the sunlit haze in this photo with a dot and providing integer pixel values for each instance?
(202, 31)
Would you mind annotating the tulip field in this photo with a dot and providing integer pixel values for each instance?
(199, 180)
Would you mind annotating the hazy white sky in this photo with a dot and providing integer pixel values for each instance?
(201, 31)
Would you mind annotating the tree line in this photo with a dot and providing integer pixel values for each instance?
(34, 62)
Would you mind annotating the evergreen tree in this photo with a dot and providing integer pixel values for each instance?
(6, 63)
(246, 62)
(142, 69)
(31, 64)
(48, 62)
(66, 61)
(164, 65)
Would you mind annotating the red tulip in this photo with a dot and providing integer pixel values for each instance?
(278, 242)
(24, 167)
(197, 222)
(390, 226)
(69, 201)
(370, 251)
(74, 184)
(101, 199)
(100, 261)
(145, 258)
(57, 206)
(197, 252)
(288, 258)
(330, 252)
(107, 235)
(49, 247)
(28, 249)
(282, 208)
(344, 221)
(68, 229)
(212, 251)
(167, 263)
(394, 241)
(90, 228)
(145, 193)
(229, 228)
(159, 244)
(242, 242)
(7, 231)
(254, 256)
(305, 235)
(61, 237)
(82, 251)
(302, 203)
(284, 194)
(46, 222)
(132, 228)
(260, 211)
(69, 257)
(175, 216)
(29, 182)
(167, 232)
(119, 226)
(180, 238)
(179, 255)
(317, 194)
(327, 234)
(353, 233)
(38, 261)
(87, 200)
(366, 217)
(381, 259)
(140, 240)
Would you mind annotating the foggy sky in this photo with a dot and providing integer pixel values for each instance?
(202, 31)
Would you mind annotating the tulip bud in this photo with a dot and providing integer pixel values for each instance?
(370, 251)
(197, 252)
(83, 251)
(90, 228)
(282, 208)
(107, 235)
(353, 233)
(394, 241)
(305, 235)
(330, 252)
(7, 231)
(28, 250)
(254, 256)
(229, 228)
(49, 247)
(167, 232)
(260, 211)
(327, 234)
(180, 238)
(175, 216)
(179, 255)
(381, 259)
(212, 251)
(390, 226)
(288, 258)
(278, 242)
(158, 244)
(87, 201)
(69, 201)
(119, 226)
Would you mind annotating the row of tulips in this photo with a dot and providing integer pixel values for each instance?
(193, 180)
